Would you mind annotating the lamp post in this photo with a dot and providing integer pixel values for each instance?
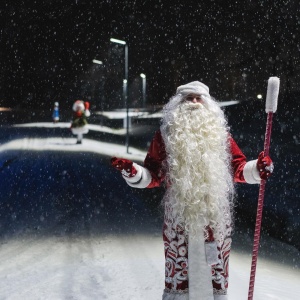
(125, 89)
(99, 62)
(144, 89)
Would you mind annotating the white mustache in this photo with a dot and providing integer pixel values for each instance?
(191, 105)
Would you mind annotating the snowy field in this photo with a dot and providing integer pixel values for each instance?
(117, 267)
(127, 266)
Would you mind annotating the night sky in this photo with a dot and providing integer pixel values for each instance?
(47, 48)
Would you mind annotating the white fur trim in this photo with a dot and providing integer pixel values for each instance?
(142, 178)
(251, 173)
(200, 278)
(87, 113)
(220, 297)
(211, 251)
(78, 130)
(175, 296)
(136, 177)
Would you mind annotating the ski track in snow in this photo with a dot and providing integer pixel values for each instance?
(114, 267)
(111, 267)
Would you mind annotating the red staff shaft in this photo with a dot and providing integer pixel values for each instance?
(259, 209)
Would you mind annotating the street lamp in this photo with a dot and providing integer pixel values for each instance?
(144, 89)
(125, 89)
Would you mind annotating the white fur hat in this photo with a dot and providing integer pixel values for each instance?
(195, 87)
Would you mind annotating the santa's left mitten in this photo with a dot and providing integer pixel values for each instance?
(264, 166)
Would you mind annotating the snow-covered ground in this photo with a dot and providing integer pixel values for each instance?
(127, 266)
(118, 267)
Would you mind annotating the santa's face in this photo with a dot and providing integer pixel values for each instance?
(193, 101)
(194, 98)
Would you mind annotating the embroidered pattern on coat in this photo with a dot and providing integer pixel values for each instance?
(176, 261)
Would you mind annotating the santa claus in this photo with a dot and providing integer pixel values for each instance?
(197, 159)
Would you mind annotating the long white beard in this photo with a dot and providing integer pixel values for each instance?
(198, 168)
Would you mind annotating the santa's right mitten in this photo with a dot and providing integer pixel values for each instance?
(135, 175)
(125, 166)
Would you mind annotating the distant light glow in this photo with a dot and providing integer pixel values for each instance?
(125, 81)
(259, 96)
(143, 75)
(96, 61)
(118, 41)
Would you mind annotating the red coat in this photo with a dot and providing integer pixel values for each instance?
(157, 154)
(176, 245)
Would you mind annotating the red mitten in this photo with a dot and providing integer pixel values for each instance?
(124, 165)
(264, 165)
